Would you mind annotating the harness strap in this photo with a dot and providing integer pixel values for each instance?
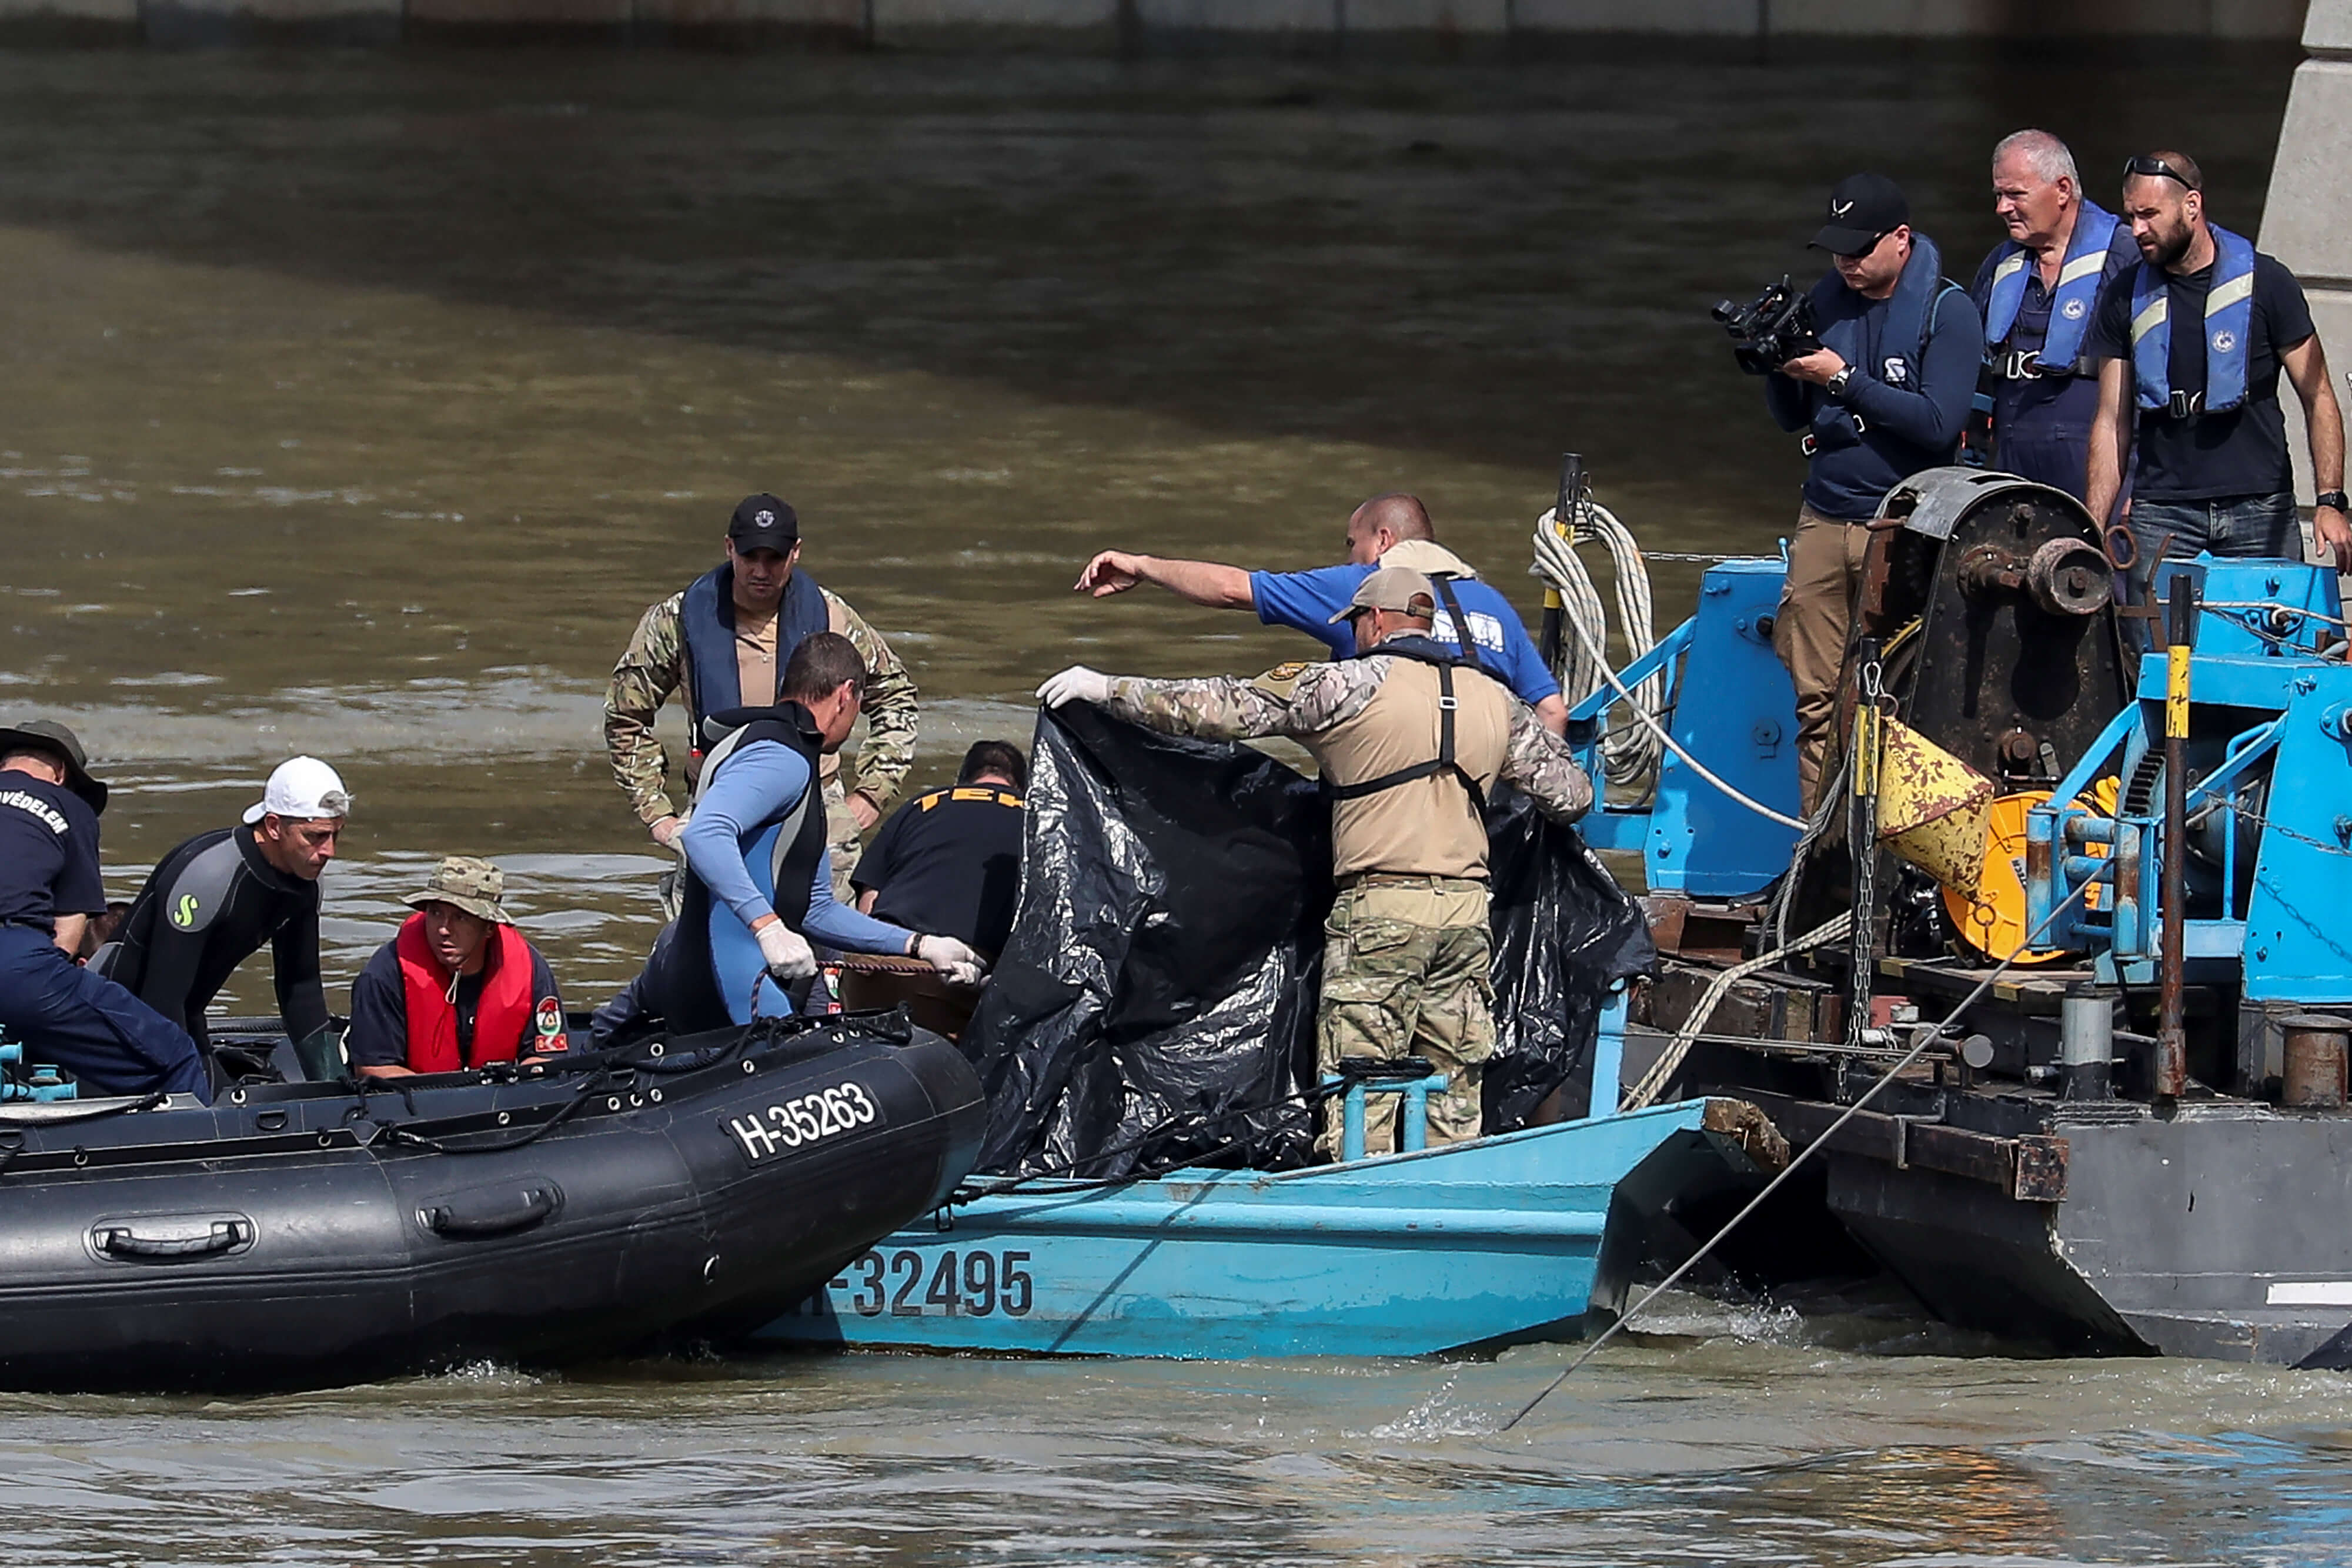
(1441, 763)
(1443, 582)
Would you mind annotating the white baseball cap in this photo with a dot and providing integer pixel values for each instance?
(302, 789)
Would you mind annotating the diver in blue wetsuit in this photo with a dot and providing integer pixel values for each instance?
(758, 886)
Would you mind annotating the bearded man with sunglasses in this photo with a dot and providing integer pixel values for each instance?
(2191, 342)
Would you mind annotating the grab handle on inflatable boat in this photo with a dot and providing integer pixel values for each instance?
(217, 1236)
(491, 1211)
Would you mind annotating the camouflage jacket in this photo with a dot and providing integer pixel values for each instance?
(655, 666)
(1303, 700)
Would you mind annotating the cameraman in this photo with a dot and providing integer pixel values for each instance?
(1883, 398)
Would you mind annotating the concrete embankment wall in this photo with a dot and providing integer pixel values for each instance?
(2307, 221)
(1302, 26)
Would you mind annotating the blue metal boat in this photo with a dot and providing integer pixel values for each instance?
(1497, 1239)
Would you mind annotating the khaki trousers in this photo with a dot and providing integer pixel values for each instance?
(1810, 632)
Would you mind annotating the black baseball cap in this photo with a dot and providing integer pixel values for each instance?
(48, 735)
(1864, 209)
(763, 522)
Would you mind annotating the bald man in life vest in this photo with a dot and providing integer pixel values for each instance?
(459, 987)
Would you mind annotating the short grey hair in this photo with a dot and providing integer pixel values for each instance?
(2043, 153)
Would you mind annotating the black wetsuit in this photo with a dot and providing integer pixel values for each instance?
(209, 906)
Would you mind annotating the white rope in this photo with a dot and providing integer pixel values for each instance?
(1653, 1081)
(1628, 756)
(1668, 741)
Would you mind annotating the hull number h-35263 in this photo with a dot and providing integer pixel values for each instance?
(807, 1120)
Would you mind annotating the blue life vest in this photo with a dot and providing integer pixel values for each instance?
(2098, 233)
(1902, 337)
(2229, 322)
(708, 619)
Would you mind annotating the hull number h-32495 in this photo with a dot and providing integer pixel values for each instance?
(796, 1124)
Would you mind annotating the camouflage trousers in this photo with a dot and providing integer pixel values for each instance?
(1405, 964)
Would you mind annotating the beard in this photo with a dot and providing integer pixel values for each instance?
(2168, 247)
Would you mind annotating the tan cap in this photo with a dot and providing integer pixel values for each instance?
(1392, 588)
(465, 882)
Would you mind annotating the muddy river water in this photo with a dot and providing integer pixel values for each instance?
(357, 403)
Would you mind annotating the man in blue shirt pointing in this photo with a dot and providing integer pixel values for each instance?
(758, 878)
(1387, 530)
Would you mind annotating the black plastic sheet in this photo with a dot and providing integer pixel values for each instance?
(1156, 1000)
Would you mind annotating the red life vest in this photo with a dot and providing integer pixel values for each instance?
(501, 1020)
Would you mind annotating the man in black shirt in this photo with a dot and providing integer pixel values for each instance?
(62, 1013)
(213, 901)
(951, 861)
(2193, 338)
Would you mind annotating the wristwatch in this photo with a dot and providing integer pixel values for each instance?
(1836, 385)
(2335, 499)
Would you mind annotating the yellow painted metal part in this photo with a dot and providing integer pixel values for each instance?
(2176, 692)
(1931, 807)
(1993, 923)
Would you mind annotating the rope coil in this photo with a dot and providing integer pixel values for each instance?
(1627, 755)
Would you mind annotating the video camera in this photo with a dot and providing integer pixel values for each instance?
(1776, 328)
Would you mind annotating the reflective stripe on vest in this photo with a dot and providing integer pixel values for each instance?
(2087, 249)
(502, 1018)
(2229, 323)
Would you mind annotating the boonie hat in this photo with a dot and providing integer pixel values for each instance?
(763, 522)
(1864, 209)
(465, 882)
(302, 789)
(1391, 588)
(48, 735)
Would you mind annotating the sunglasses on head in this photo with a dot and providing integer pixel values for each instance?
(2157, 169)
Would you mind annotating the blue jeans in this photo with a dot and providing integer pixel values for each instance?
(111, 1042)
(2235, 525)
(2258, 526)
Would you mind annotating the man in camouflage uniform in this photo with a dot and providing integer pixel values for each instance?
(723, 643)
(1409, 741)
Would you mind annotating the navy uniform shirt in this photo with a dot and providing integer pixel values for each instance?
(2209, 456)
(379, 1033)
(48, 852)
(949, 864)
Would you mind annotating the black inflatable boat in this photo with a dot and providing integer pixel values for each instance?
(310, 1234)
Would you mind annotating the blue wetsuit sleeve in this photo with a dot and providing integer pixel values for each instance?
(837, 924)
(1933, 415)
(759, 782)
(1305, 602)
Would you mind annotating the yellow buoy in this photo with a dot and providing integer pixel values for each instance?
(1931, 809)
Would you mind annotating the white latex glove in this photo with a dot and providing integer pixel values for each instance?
(956, 963)
(788, 955)
(1076, 685)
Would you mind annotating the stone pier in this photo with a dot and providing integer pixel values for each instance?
(2307, 221)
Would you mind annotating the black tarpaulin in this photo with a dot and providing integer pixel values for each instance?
(1156, 1000)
